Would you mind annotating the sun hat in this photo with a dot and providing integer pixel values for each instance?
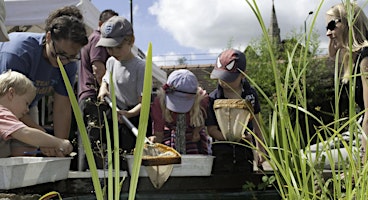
(229, 65)
(113, 31)
(3, 31)
(180, 88)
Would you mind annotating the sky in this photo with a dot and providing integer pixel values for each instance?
(200, 30)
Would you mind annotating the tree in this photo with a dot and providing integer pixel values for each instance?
(318, 76)
(182, 61)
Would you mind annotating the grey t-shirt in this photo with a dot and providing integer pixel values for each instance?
(127, 79)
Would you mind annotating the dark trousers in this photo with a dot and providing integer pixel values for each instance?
(95, 125)
(232, 158)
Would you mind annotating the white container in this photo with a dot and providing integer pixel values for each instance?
(16, 172)
(191, 165)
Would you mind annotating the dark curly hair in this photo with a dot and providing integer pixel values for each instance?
(67, 23)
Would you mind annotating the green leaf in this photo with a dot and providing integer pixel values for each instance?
(143, 122)
(83, 132)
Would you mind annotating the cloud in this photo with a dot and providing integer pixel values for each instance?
(172, 58)
(214, 24)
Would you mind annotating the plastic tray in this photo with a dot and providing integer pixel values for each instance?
(191, 165)
(16, 172)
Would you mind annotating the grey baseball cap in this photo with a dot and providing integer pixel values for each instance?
(180, 90)
(113, 31)
(3, 31)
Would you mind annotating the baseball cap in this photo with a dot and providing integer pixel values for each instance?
(113, 31)
(229, 65)
(180, 88)
(3, 31)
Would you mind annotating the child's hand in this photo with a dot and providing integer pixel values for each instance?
(66, 148)
(63, 149)
(124, 113)
(102, 93)
(158, 137)
(196, 137)
(261, 156)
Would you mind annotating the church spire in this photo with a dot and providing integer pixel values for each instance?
(274, 30)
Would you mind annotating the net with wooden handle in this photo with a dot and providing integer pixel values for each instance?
(154, 154)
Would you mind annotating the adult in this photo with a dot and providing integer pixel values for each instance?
(90, 75)
(338, 31)
(35, 55)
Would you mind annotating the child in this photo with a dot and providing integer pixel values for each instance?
(181, 95)
(16, 93)
(35, 54)
(127, 75)
(232, 85)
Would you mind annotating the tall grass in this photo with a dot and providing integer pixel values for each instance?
(298, 175)
(83, 132)
(114, 188)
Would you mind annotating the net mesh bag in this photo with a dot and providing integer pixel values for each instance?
(232, 116)
(159, 154)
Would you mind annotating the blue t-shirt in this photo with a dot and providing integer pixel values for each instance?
(24, 54)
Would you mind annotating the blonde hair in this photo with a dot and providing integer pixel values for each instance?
(197, 113)
(16, 80)
(360, 24)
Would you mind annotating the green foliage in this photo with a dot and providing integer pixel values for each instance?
(143, 122)
(318, 76)
(294, 75)
(267, 181)
(82, 130)
(182, 61)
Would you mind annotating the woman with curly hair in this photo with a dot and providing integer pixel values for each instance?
(35, 56)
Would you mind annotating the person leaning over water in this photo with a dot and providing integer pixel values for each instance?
(92, 69)
(127, 70)
(181, 106)
(16, 93)
(338, 32)
(34, 55)
(232, 85)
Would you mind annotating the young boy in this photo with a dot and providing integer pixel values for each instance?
(16, 94)
(232, 85)
(127, 74)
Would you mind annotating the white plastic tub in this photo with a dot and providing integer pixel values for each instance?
(16, 172)
(191, 165)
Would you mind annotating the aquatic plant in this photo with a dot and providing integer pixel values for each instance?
(114, 187)
(299, 171)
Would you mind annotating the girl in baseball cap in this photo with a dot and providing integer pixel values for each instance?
(181, 96)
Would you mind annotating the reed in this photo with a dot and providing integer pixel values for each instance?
(83, 132)
(298, 175)
(114, 187)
